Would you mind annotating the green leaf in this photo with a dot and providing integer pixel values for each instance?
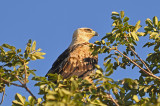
(110, 72)
(155, 21)
(149, 22)
(149, 44)
(19, 98)
(114, 18)
(8, 46)
(122, 14)
(115, 13)
(33, 46)
(125, 19)
(117, 60)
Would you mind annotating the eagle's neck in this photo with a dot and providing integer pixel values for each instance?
(81, 40)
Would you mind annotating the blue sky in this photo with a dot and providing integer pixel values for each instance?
(52, 22)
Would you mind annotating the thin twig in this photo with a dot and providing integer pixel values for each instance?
(138, 65)
(137, 55)
(112, 99)
(23, 86)
(2, 96)
(19, 80)
(11, 83)
(109, 96)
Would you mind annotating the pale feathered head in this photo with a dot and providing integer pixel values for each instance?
(82, 35)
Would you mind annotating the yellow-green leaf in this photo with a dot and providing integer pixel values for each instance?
(134, 35)
(50, 97)
(137, 26)
(122, 14)
(30, 98)
(33, 46)
(66, 91)
(39, 53)
(97, 66)
(154, 35)
(19, 98)
(97, 42)
(39, 50)
(141, 33)
(117, 35)
(115, 13)
(32, 57)
(99, 72)
(135, 98)
(149, 22)
(39, 100)
(16, 103)
(125, 19)
(103, 42)
(155, 21)
(38, 57)
(114, 24)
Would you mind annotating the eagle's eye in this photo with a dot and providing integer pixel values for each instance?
(88, 30)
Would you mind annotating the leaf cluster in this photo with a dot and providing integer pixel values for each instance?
(124, 35)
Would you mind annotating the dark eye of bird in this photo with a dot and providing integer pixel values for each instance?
(88, 30)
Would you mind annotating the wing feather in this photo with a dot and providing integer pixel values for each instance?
(76, 60)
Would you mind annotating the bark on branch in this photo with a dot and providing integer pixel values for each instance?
(145, 71)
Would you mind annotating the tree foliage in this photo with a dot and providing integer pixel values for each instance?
(104, 90)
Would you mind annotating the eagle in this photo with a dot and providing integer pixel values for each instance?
(77, 59)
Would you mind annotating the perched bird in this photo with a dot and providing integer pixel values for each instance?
(77, 59)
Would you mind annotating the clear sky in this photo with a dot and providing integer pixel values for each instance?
(52, 22)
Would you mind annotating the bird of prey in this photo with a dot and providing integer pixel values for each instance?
(77, 59)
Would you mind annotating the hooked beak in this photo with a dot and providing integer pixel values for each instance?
(95, 33)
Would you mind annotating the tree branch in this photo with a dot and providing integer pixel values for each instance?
(138, 65)
(23, 86)
(137, 55)
(27, 89)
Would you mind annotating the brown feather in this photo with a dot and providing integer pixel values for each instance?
(79, 61)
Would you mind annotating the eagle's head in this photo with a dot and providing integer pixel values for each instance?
(82, 35)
